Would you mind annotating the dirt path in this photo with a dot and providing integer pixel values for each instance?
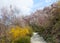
(37, 39)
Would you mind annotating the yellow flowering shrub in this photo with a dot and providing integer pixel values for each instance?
(17, 32)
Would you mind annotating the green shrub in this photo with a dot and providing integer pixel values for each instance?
(23, 40)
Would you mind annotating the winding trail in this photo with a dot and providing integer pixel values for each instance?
(37, 39)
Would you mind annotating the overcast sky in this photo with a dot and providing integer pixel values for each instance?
(26, 6)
